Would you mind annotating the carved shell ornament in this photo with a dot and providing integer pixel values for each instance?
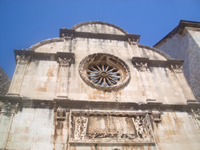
(104, 71)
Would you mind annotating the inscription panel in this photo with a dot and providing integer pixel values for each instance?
(110, 127)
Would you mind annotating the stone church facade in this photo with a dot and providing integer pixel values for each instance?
(96, 88)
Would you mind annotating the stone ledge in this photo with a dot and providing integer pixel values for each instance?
(104, 105)
(45, 56)
(72, 33)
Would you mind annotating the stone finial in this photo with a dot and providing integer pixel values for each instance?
(65, 62)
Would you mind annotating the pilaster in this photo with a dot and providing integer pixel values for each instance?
(64, 61)
(22, 60)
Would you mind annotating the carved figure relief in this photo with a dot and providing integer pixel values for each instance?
(109, 127)
(104, 71)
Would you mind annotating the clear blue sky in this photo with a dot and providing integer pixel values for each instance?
(26, 22)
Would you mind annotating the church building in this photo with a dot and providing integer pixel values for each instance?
(96, 88)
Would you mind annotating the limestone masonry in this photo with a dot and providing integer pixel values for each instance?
(96, 88)
(184, 43)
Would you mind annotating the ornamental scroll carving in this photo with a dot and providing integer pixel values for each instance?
(110, 127)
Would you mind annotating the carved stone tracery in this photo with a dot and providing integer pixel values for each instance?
(104, 71)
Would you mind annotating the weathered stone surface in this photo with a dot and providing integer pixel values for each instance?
(51, 106)
(186, 46)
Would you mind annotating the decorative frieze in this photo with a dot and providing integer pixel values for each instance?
(110, 127)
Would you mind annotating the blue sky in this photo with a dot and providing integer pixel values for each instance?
(27, 22)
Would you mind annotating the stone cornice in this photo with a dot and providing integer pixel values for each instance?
(95, 105)
(72, 33)
(45, 56)
(157, 63)
(179, 29)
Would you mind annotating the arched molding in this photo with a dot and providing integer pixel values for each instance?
(98, 22)
(167, 57)
(35, 46)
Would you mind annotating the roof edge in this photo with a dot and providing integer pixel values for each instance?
(98, 22)
(179, 29)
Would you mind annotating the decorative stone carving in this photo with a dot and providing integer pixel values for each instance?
(104, 71)
(178, 68)
(65, 62)
(156, 115)
(9, 108)
(80, 127)
(61, 114)
(196, 116)
(110, 127)
(141, 66)
(22, 59)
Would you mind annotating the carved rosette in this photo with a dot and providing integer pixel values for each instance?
(104, 71)
(110, 127)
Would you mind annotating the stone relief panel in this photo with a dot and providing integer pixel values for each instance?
(110, 127)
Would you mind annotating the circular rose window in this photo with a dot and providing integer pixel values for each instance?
(104, 71)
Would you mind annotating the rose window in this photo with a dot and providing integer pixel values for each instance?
(104, 75)
(104, 71)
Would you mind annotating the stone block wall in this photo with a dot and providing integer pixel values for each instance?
(186, 46)
(4, 82)
(40, 128)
